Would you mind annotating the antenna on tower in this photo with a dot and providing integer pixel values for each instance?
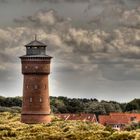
(35, 36)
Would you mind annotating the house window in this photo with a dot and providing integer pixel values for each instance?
(133, 118)
(30, 100)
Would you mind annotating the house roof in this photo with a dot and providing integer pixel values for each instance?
(82, 117)
(119, 118)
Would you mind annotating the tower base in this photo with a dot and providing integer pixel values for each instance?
(35, 118)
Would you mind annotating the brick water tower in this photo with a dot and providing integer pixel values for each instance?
(36, 70)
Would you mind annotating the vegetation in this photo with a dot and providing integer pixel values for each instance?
(10, 101)
(12, 129)
(68, 105)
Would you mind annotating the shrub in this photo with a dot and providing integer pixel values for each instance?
(12, 129)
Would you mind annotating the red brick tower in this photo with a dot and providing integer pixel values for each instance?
(36, 69)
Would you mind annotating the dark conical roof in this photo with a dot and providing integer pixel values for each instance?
(35, 43)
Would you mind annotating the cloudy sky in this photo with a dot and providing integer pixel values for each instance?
(95, 45)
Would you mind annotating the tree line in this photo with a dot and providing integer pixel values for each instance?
(76, 105)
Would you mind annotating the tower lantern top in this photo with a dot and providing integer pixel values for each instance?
(35, 47)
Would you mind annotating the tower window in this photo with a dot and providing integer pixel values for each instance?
(30, 100)
(26, 67)
(36, 67)
(40, 100)
(35, 86)
(45, 87)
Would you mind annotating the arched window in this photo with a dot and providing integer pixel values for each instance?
(36, 67)
(45, 86)
(26, 67)
(40, 100)
(35, 86)
(27, 86)
(30, 100)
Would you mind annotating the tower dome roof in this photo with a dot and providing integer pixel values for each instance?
(35, 43)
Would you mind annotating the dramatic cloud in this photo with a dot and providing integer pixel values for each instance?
(116, 16)
(131, 18)
(3, 1)
(83, 46)
(97, 55)
(58, 1)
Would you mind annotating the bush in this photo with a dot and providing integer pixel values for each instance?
(12, 129)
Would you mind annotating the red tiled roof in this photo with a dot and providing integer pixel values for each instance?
(119, 118)
(103, 119)
(113, 118)
(82, 117)
(62, 116)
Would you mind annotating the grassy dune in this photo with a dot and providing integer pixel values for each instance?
(12, 129)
